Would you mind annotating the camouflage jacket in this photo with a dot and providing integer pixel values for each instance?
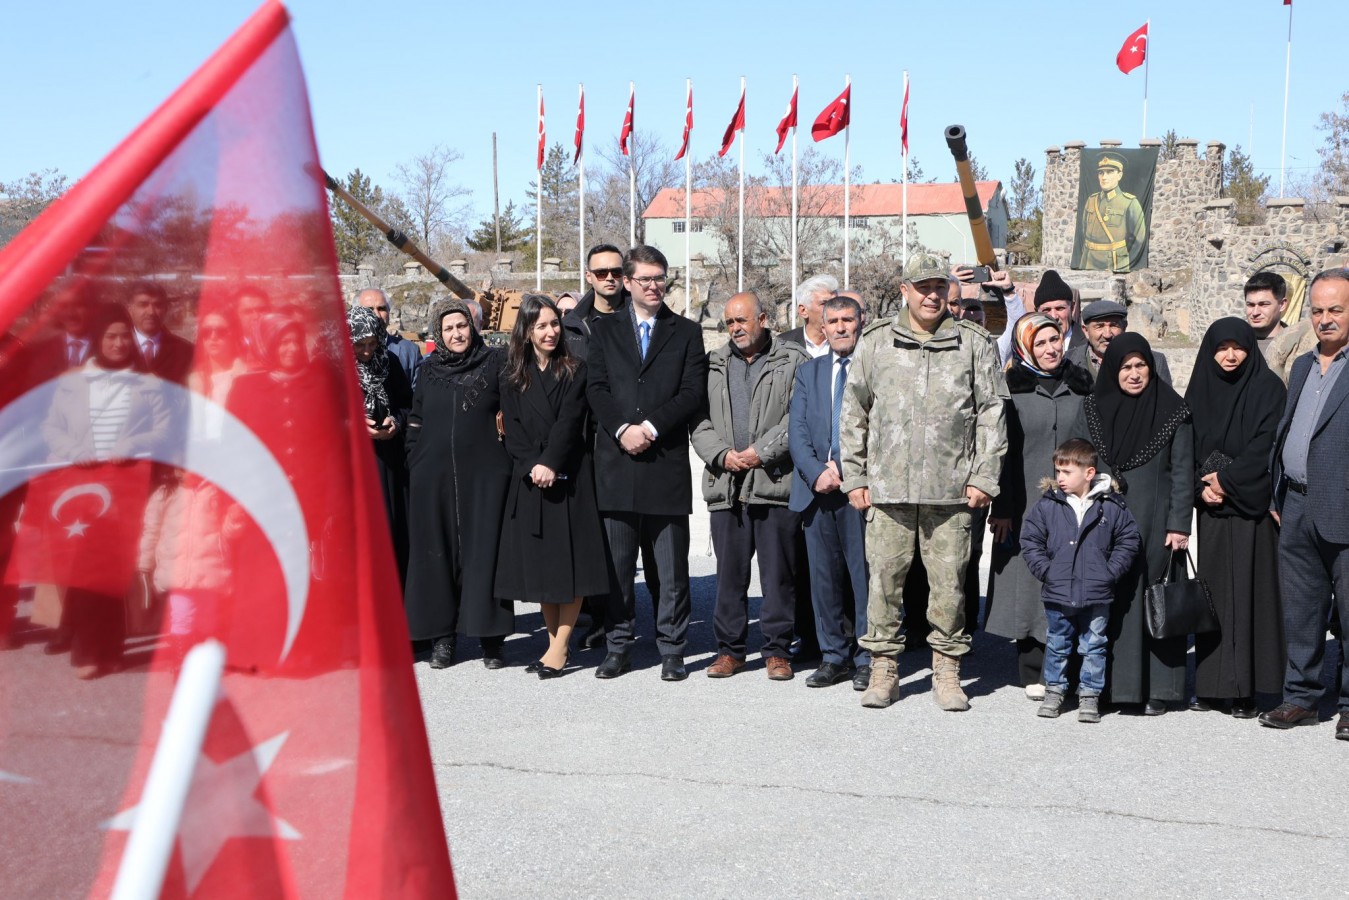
(921, 420)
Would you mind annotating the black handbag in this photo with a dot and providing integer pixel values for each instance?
(1179, 604)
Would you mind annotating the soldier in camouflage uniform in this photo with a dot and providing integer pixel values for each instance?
(1114, 231)
(922, 437)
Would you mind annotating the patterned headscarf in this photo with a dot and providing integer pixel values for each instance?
(364, 323)
(1023, 340)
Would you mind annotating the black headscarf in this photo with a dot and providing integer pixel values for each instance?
(1129, 431)
(365, 323)
(457, 363)
(1235, 414)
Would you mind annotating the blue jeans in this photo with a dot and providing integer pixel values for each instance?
(1066, 625)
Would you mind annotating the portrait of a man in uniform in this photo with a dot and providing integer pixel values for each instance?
(1112, 225)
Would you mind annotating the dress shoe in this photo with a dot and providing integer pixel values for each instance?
(1199, 704)
(861, 678)
(546, 671)
(593, 639)
(1290, 715)
(533, 668)
(1342, 728)
(493, 658)
(1244, 708)
(779, 668)
(1154, 708)
(724, 666)
(614, 664)
(442, 653)
(672, 668)
(827, 675)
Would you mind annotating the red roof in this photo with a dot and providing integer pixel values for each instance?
(866, 200)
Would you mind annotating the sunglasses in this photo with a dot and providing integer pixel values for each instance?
(606, 274)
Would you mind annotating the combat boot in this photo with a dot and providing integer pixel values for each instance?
(946, 683)
(883, 688)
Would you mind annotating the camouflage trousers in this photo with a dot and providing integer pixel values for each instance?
(942, 535)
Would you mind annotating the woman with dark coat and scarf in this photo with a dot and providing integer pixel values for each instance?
(552, 543)
(1047, 392)
(1142, 431)
(387, 395)
(1236, 402)
(459, 472)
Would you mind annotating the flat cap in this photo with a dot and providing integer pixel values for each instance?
(1104, 309)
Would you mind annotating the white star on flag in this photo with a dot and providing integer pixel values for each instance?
(220, 805)
(76, 529)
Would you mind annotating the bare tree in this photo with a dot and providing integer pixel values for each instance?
(436, 205)
(25, 198)
(607, 189)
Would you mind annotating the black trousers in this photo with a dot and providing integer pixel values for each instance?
(669, 539)
(836, 540)
(1310, 568)
(738, 535)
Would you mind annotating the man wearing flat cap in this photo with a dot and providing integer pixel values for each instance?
(1114, 230)
(1102, 322)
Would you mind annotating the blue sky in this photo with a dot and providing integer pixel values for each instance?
(389, 81)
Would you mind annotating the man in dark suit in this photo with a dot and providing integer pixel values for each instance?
(647, 384)
(73, 311)
(810, 297)
(165, 354)
(834, 530)
(1310, 480)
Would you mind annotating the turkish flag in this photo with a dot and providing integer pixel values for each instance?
(737, 124)
(787, 123)
(539, 164)
(1134, 51)
(627, 121)
(264, 525)
(580, 126)
(834, 118)
(904, 119)
(688, 125)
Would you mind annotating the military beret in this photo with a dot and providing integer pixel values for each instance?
(1104, 309)
(1109, 161)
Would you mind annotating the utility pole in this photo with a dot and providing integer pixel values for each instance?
(496, 194)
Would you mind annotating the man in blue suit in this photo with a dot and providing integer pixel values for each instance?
(834, 530)
(1310, 480)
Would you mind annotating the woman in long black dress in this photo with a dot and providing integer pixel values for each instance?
(552, 546)
(1142, 430)
(1236, 402)
(459, 472)
(1046, 397)
(388, 397)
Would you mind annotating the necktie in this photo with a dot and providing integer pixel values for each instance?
(148, 351)
(644, 337)
(73, 354)
(839, 381)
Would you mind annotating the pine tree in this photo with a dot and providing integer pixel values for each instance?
(561, 204)
(1241, 184)
(515, 234)
(356, 239)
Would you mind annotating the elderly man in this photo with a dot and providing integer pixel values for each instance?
(810, 297)
(1102, 322)
(1307, 465)
(921, 437)
(408, 354)
(742, 440)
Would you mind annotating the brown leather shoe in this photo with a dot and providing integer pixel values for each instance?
(1342, 728)
(1288, 715)
(779, 668)
(724, 666)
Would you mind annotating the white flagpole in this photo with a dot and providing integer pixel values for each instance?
(1147, 61)
(581, 213)
(792, 304)
(1287, 70)
(847, 178)
(740, 251)
(688, 212)
(150, 845)
(632, 171)
(904, 158)
(538, 211)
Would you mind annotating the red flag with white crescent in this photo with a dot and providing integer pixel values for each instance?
(1134, 52)
(904, 118)
(688, 125)
(542, 139)
(627, 122)
(580, 126)
(834, 117)
(737, 124)
(788, 121)
(237, 500)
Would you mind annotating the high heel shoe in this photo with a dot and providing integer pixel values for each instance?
(550, 672)
(533, 668)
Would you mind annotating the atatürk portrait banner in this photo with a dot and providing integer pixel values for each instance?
(1114, 209)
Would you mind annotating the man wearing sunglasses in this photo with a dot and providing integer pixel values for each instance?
(604, 274)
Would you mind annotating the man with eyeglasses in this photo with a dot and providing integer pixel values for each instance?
(407, 352)
(647, 382)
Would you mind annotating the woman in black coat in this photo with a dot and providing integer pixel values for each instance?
(1236, 402)
(1047, 392)
(459, 472)
(1142, 431)
(552, 544)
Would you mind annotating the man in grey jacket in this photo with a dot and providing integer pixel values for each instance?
(742, 439)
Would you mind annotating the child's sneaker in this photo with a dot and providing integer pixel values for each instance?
(1088, 709)
(1051, 706)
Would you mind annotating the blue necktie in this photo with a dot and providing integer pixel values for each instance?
(839, 381)
(644, 337)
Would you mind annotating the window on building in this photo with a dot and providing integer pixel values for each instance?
(679, 226)
(861, 222)
(697, 228)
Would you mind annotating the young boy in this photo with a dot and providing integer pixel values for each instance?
(1078, 541)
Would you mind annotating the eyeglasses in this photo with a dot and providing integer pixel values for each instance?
(651, 280)
(606, 274)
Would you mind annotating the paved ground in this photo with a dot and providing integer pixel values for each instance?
(750, 788)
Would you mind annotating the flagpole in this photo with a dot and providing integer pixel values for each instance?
(688, 213)
(795, 85)
(1287, 71)
(581, 213)
(740, 250)
(904, 159)
(538, 209)
(847, 177)
(1147, 61)
(632, 171)
(150, 844)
